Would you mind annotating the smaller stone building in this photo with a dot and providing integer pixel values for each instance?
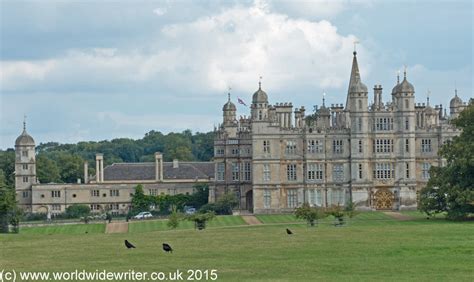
(111, 189)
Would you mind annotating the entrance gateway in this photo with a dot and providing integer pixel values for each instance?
(249, 200)
(383, 199)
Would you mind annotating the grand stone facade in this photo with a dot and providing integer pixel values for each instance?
(112, 187)
(376, 155)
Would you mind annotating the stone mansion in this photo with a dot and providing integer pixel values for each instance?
(376, 155)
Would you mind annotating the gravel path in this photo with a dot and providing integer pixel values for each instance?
(251, 220)
(117, 227)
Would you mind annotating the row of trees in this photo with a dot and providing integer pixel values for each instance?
(313, 214)
(166, 203)
(63, 163)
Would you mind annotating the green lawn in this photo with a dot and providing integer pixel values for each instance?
(65, 229)
(367, 250)
(155, 225)
(277, 218)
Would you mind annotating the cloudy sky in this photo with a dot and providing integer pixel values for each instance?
(90, 70)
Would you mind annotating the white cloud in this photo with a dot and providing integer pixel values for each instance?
(160, 11)
(315, 9)
(231, 48)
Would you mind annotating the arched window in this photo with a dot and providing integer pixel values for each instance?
(406, 104)
(360, 104)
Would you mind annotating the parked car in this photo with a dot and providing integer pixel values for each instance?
(143, 215)
(190, 210)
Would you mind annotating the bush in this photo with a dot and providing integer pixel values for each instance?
(34, 216)
(77, 211)
(310, 214)
(350, 210)
(223, 206)
(200, 219)
(338, 214)
(174, 218)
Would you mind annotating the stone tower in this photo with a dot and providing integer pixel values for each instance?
(403, 99)
(229, 119)
(25, 168)
(357, 108)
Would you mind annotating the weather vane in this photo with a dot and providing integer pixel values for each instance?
(355, 44)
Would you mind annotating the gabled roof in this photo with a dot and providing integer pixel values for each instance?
(146, 171)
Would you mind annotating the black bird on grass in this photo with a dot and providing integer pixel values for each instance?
(129, 245)
(288, 231)
(167, 248)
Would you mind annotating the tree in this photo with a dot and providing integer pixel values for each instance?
(77, 211)
(338, 213)
(47, 170)
(174, 218)
(451, 187)
(9, 212)
(310, 214)
(200, 219)
(140, 201)
(200, 196)
(7, 164)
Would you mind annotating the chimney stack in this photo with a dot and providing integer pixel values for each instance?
(158, 166)
(86, 172)
(99, 168)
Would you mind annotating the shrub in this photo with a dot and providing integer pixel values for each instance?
(350, 210)
(223, 206)
(174, 218)
(200, 219)
(77, 211)
(310, 214)
(338, 214)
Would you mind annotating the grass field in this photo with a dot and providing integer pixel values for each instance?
(155, 225)
(373, 247)
(65, 229)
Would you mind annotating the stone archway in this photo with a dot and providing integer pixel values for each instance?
(42, 209)
(383, 199)
(249, 200)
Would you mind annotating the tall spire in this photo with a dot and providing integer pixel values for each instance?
(405, 72)
(428, 98)
(355, 75)
(228, 93)
(324, 99)
(355, 83)
(260, 83)
(398, 77)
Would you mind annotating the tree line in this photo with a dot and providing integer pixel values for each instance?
(63, 163)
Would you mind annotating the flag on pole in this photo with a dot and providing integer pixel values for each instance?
(241, 101)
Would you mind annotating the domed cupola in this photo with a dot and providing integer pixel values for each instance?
(229, 106)
(456, 101)
(405, 86)
(260, 97)
(229, 113)
(24, 139)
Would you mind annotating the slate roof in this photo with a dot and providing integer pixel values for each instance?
(146, 171)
